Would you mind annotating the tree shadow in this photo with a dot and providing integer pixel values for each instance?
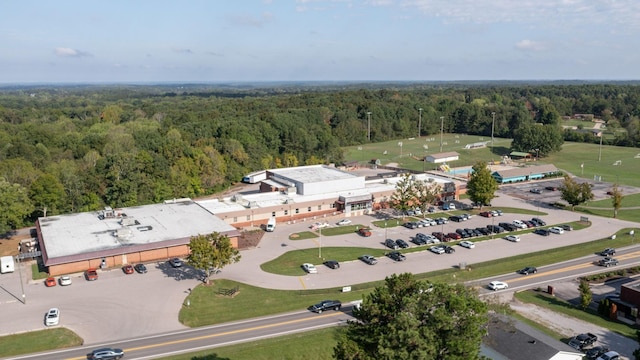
(210, 357)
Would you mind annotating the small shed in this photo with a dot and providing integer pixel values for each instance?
(442, 157)
(520, 155)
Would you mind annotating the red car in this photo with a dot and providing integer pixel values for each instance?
(485, 214)
(128, 269)
(364, 232)
(455, 236)
(91, 274)
(50, 282)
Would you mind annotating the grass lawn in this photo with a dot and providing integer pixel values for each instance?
(311, 345)
(558, 305)
(289, 263)
(631, 200)
(36, 341)
(303, 235)
(629, 215)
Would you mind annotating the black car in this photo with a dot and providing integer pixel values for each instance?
(391, 244)
(418, 240)
(456, 218)
(566, 227)
(106, 354)
(448, 249)
(495, 229)
(528, 270)
(326, 305)
(175, 262)
(396, 256)
(410, 225)
(332, 264)
(483, 231)
(508, 226)
(607, 252)
(543, 232)
(140, 268)
(596, 351)
(402, 244)
(463, 233)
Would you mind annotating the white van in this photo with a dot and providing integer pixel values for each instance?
(271, 225)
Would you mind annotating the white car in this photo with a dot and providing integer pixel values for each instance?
(467, 244)
(437, 250)
(52, 317)
(309, 268)
(425, 223)
(520, 224)
(556, 230)
(65, 280)
(344, 222)
(512, 238)
(498, 285)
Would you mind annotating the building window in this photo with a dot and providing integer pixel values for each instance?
(297, 211)
(248, 217)
(333, 205)
(319, 207)
(286, 212)
(273, 214)
(309, 209)
(235, 219)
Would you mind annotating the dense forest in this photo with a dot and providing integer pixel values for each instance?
(78, 148)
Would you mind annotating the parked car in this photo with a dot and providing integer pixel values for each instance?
(326, 305)
(396, 256)
(497, 285)
(551, 188)
(175, 262)
(484, 231)
(607, 252)
(309, 268)
(391, 244)
(437, 249)
(499, 212)
(608, 261)
(463, 233)
(609, 355)
(369, 259)
(556, 230)
(448, 249)
(50, 281)
(65, 280)
(456, 218)
(52, 317)
(344, 222)
(467, 244)
(128, 269)
(508, 227)
(528, 270)
(566, 227)
(106, 354)
(596, 351)
(535, 191)
(543, 232)
(512, 238)
(582, 341)
(419, 240)
(402, 244)
(366, 232)
(495, 229)
(486, 214)
(91, 274)
(454, 236)
(494, 213)
(519, 224)
(538, 222)
(332, 264)
(529, 223)
(140, 268)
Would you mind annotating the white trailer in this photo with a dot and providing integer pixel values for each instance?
(255, 177)
(271, 225)
(6, 264)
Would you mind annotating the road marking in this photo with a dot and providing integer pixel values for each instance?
(302, 282)
(203, 337)
(573, 267)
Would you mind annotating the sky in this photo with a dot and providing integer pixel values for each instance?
(154, 41)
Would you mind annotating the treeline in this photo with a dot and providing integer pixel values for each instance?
(79, 148)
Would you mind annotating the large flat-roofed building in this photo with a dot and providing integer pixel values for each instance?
(316, 179)
(113, 237)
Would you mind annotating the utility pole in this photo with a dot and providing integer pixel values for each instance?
(420, 123)
(369, 126)
(441, 130)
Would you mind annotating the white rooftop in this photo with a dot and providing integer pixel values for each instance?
(313, 173)
(74, 234)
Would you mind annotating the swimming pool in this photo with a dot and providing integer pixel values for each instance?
(460, 171)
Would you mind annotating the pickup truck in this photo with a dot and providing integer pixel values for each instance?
(582, 341)
(326, 305)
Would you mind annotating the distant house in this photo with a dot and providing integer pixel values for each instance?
(509, 339)
(524, 173)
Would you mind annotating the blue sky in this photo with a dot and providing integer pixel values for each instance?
(80, 41)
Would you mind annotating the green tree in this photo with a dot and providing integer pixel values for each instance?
(586, 296)
(426, 193)
(211, 252)
(481, 187)
(15, 206)
(402, 199)
(574, 193)
(411, 319)
(47, 194)
(616, 199)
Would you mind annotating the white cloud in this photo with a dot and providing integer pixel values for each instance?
(530, 45)
(69, 52)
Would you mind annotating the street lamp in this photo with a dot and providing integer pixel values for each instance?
(441, 130)
(493, 125)
(420, 122)
(600, 150)
(369, 126)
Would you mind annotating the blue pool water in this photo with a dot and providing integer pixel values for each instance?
(461, 171)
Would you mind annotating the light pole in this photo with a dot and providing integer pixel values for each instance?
(441, 130)
(320, 247)
(420, 122)
(369, 125)
(600, 150)
(493, 125)
(385, 231)
(24, 296)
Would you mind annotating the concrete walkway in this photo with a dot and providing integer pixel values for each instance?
(354, 272)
